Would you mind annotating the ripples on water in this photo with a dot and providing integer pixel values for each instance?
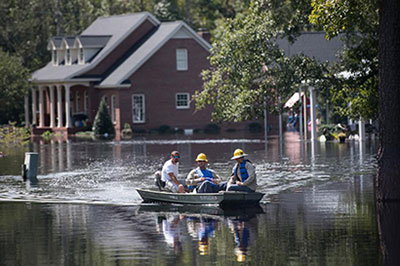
(327, 216)
(110, 172)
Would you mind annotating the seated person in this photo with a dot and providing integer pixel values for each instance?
(202, 179)
(243, 174)
(169, 174)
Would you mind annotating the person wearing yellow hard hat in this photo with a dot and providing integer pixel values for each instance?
(202, 179)
(243, 174)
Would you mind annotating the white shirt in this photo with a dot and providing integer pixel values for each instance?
(169, 167)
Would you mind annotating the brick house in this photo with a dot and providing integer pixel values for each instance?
(146, 71)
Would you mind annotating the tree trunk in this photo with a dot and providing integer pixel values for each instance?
(388, 174)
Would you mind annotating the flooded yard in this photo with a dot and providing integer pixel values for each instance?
(318, 210)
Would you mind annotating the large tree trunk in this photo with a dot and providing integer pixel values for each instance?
(388, 178)
(388, 174)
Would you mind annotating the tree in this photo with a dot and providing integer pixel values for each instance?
(248, 70)
(102, 125)
(356, 22)
(13, 87)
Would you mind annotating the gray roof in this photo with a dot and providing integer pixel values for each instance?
(93, 41)
(313, 44)
(146, 50)
(117, 27)
(57, 41)
(70, 40)
(141, 54)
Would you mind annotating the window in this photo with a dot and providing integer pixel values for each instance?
(181, 59)
(55, 62)
(182, 101)
(81, 58)
(78, 102)
(68, 57)
(113, 118)
(138, 108)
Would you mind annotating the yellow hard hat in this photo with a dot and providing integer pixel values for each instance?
(203, 248)
(201, 157)
(238, 154)
(240, 255)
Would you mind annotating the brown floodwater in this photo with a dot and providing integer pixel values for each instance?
(318, 210)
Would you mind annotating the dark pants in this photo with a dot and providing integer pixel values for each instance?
(239, 188)
(210, 187)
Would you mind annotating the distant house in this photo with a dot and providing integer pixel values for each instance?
(146, 71)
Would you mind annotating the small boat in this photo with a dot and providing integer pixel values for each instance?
(222, 198)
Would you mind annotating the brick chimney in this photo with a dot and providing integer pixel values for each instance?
(205, 34)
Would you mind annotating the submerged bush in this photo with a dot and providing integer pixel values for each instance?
(212, 128)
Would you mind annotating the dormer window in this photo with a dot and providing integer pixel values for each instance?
(81, 57)
(68, 57)
(54, 57)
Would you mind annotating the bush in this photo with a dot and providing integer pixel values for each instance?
(165, 129)
(102, 125)
(212, 129)
(255, 127)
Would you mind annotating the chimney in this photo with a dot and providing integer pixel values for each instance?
(205, 34)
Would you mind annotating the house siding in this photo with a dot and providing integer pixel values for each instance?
(159, 80)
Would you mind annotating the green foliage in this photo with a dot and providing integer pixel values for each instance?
(103, 126)
(357, 21)
(248, 70)
(13, 135)
(13, 86)
(47, 135)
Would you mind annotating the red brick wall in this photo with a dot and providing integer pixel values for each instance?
(159, 81)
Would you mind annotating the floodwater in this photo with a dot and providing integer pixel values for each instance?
(318, 210)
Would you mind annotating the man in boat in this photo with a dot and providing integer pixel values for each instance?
(202, 179)
(169, 174)
(243, 174)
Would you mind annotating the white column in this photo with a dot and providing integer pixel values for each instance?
(301, 115)
(67, 106)
(59, 107)
(361, 129)
(313, 114)
(41, 106)
(34, 107)
(52, 111)
(26, 108)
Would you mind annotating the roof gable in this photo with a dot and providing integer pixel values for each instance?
(165, 32)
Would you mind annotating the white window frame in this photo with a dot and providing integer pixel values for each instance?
(178, 106)
(113, 101)
(143, 109)
(68, 57)
(54, 57)
(81, 56)
(182, 59)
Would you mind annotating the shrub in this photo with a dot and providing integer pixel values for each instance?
(164, 129)
(255, 127)
(102, 125)
(212, 128)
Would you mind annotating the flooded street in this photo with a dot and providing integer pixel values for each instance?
(318, 210)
